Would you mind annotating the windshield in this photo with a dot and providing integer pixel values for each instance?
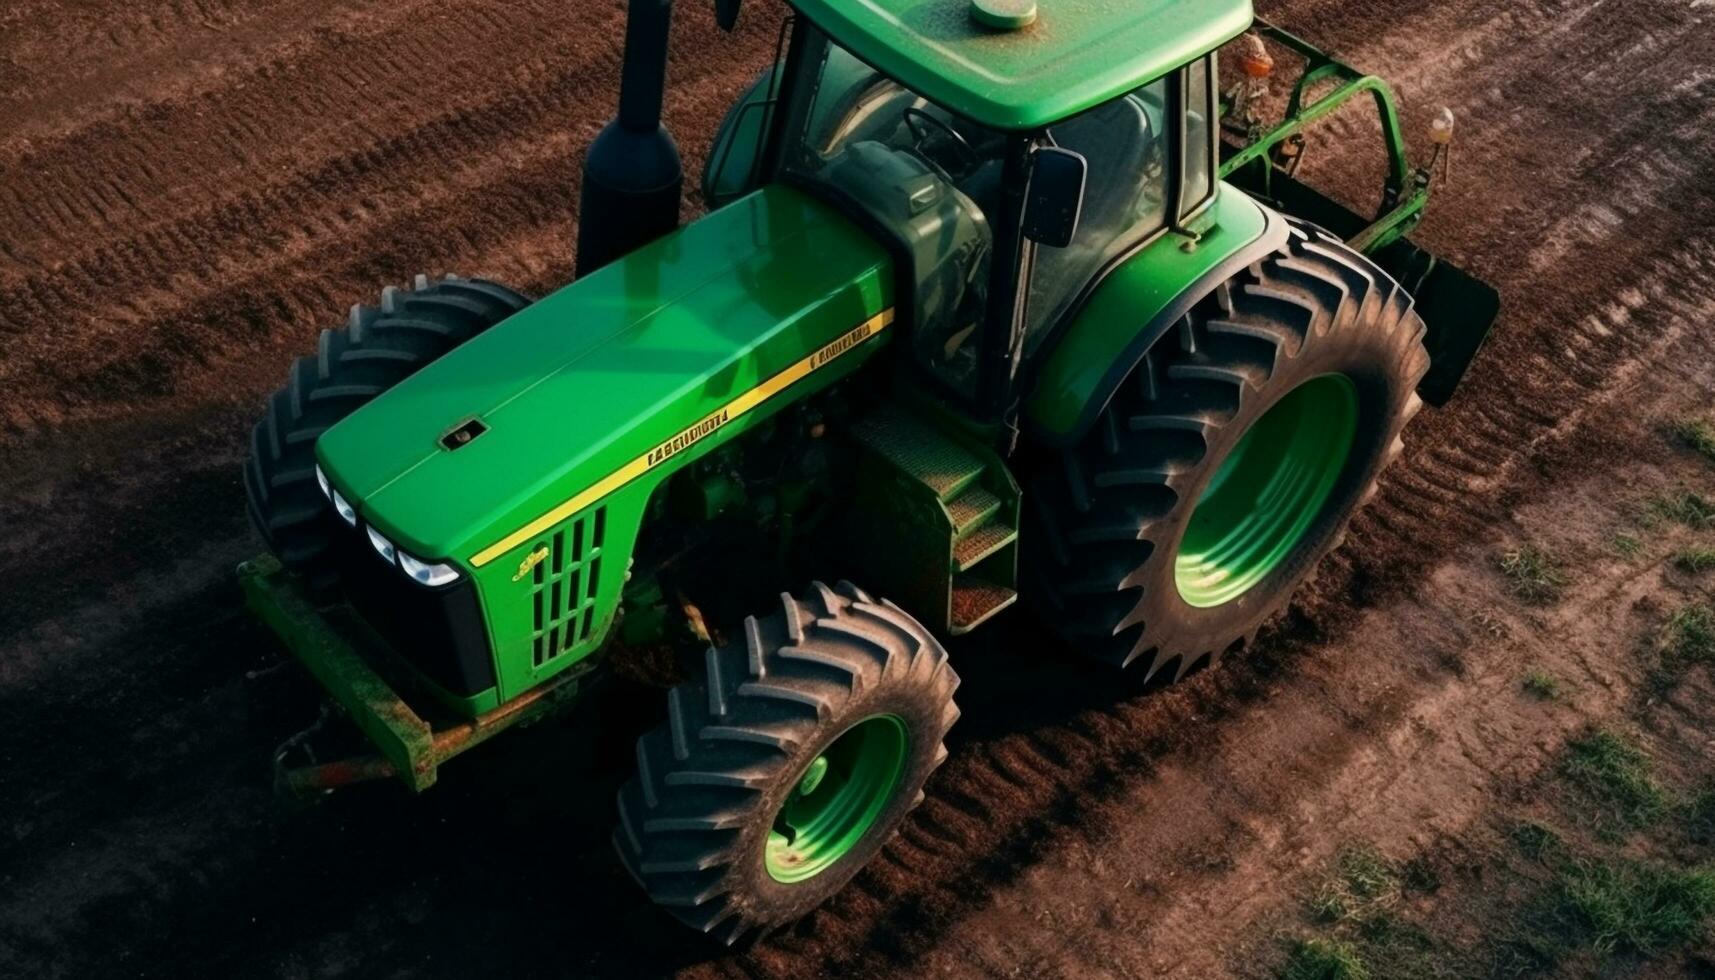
(928, 177)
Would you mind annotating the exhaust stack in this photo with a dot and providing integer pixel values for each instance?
(632, 174)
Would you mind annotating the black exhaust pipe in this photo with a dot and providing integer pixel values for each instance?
(632, 175)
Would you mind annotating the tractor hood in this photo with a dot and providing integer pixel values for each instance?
(592, 387)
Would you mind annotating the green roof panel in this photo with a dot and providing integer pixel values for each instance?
(1075, 54)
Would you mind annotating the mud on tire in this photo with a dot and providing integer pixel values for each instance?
(1107, 518)
(378, 347)
(695, 821)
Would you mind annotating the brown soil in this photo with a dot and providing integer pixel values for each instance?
(189, 190)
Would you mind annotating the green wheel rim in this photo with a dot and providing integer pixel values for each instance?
(1268, 492)
(837, 799)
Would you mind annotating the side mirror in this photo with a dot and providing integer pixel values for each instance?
(1055, 196)
(726, 13)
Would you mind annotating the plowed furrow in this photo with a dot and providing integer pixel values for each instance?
(345, 91)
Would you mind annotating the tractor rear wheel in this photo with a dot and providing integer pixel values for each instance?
(378, 347)
(785, 767)
(1231, 463)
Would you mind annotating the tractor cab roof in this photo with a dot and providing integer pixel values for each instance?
(1077, 53)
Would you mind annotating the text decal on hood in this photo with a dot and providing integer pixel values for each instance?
(690, 435)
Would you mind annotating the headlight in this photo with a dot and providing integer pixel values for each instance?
(426, 573)
(383, 547)
(322, 481)
(346, 510)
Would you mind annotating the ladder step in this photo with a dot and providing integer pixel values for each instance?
(972, 507)
(976, 601)
(985, 541)
(922, 453)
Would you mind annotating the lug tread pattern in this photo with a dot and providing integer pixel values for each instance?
(705, 778)
(1099, 511)
(378, 347)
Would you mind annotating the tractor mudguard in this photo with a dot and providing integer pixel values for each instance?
(1140, 299)
(525, 458)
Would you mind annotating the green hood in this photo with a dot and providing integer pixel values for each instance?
(578, 388)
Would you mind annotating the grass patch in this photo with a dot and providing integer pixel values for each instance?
(1541, 685)
(1536, 840)
(1532, 574)
(1697, 435)
(1363, 883)
(1689, 637)
(1324, 959)
(1636, 908)
(1628, 545)
(1698, 813)
(1695, 560)
(1687, 507)
(1613, 771)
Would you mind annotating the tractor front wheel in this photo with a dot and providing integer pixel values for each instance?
(1231, 463)
(784, 767)
(378, 347)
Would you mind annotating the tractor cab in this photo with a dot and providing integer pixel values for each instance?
(1005, 163)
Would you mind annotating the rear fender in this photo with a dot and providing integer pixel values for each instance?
(1133, 306)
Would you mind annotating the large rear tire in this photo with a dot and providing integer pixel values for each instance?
(378, 347)
(1231, 462)
(786, 766)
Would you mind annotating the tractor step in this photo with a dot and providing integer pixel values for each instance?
(972, 508)
(920, 452)
(950, 508)
(976, 602)
(971, 549)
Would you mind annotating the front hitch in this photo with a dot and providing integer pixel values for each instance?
(407, 745)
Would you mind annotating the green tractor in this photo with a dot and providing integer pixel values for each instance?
(991, 302)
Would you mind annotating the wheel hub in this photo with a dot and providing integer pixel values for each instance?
(1268, 492)
(837, 799)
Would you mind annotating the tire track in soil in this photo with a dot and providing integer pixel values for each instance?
(137, 290)
(1035, 767)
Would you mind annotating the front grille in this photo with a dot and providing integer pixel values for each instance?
(440, 632)
(564, 586)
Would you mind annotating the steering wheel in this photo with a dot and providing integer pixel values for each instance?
(921, 123)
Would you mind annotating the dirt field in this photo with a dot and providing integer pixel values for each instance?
(191, 189)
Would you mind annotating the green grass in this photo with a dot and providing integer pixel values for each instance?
(1628, 545)
(1363, 882)
(1613, 771)
(1324, 959)
(1697, 435)
(1687, 507)
(1636, 908)
(1541, 685)
(1695, 560)
(1689, 637)
(1698, 813)
(1532, 574)
(1536, 840)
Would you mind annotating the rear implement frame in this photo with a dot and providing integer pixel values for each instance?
(1458, 309)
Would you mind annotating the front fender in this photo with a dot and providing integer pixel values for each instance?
(1140, 299)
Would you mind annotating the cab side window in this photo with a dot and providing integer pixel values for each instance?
(1135, 166)
(1125, 143)
(1200, 133)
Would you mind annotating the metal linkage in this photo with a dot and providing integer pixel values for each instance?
(1406, 192)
